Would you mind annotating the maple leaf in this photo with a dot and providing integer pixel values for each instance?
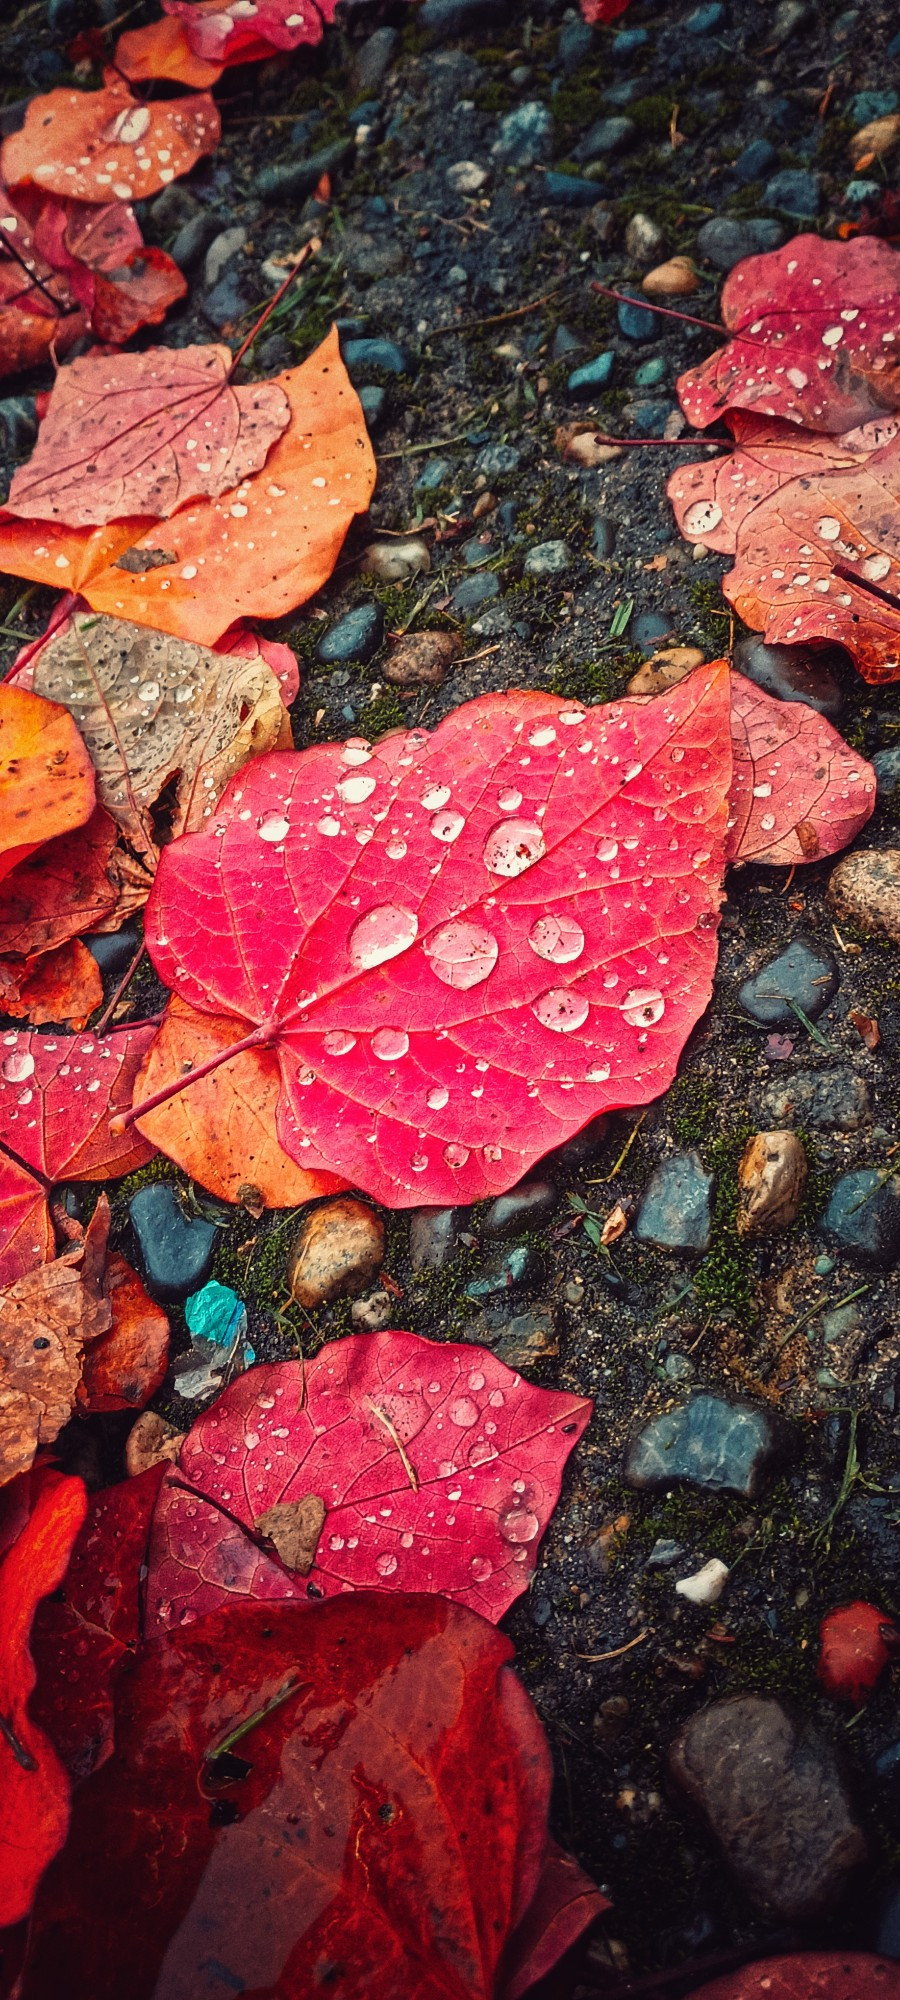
(163, 50)
(47, 1318)
(798, 792)
(127, 1364)
(144, 434)
(857, 1642)
(474, 941)
(712, 499)
(62, 986)
(259, 551)
(808, 1975)
(34, 1788)
(46, 775)
(235, 32)
(437, 1466)
(158, 714)
(412, 1871)
(62, 890)
(56, 1096)
(102, 144)
(798, 350)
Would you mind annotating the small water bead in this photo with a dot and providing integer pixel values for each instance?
(559, 939)
(461, 954)
(482, 1568)
(463, 1412)
(642, 1006)
(328, 826)
(386, 1564)
(389, 1044)
(509, 802)
(606, 850)
(767, 822)
(395, 850)
(337, 1042)
(560, 1010)
(407, 1540)
(455, 1156)
(436, 796)
(17, 1067)
(356, 751)
(381, 934)
(418, 1162)
(513, 846)
(492, 1153)
(437, 1097)
(876, 568)
(446, 826)
(676, 755)
(481, 1453)
(519, 1525)
(571, 718)
(355, 790)
(540, 737)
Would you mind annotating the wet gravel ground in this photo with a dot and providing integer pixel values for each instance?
(487, 295)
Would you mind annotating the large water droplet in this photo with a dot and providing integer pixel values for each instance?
(518, 1524)
(395, 850)
(642, 1006)
(436, 796)
(338, 1043)
(559, 939)
(463, 1412)
(381, 934)
(509, 802)
(540, 737)
(17, 1067)
(446, 826)
(437, 1097)
(606, 850)
(274, 828)
(461, 954)
(355, 790)
(418, 1162)
(482, 1568)
(701, 518)
(389, 1044)
(513, 846)
(385, 1564)
(356, 751)
(560, 1010)
(456, 1156)
(328, 826)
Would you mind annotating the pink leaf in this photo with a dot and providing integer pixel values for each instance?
(438, 1469)
(713, 498)
(799, 793)
(234, 32)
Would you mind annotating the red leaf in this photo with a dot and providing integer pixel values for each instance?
(62, 987)
(28, 325)
(233, 33)
(61, 891)
(86, 1631)
(34, 1789)
(392, 1819)
(809, 1975)
(438, 1468)
(138, 293)
(598, 12)
(100, 145)
(799, 793)
(126, 1366)
(857, 1642)
(799, 350)
(163, 50)
(564, 1903)
(239, 639)
(120, 436)
(56, 1096)
(713, 498)
(475, 941)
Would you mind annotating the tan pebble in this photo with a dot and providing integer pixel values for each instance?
(772, 1176)
(584, 447)
(396, 562)
(485, 504)
(676, 278)
(339, 1248)
(370, 1314)
(150, 1442)
(667, 667)
(706, 1585)
(875, 140)
(643, 239)
(421, 659)
(865, 890)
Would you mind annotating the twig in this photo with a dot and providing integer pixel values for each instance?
(595, 1659)
(125, 980)
(32, 277)
(242, 1729)
(848, 575)
(310, 249)
(669, 312)
(496, 319)
(626, 1149)
(805, 1318)
(434, 444)
(384, 1419)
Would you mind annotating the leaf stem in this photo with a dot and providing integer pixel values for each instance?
(243, 1729)
(309, 250)
(257, 1040)
(125, 980)
(690, 319)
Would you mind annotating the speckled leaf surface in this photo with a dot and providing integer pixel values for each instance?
(712, 498)
(462, 946)
(438, 1468)
(249, 30)
(103, 145)
(809, 1975)
(799, 793)
(814, 337)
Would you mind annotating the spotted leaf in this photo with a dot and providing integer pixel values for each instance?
(231, 31)
(799, 793)
(712, 499)
(103, 145)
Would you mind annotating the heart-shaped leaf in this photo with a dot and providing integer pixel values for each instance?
(145, 434)
(46, 775)
(103, 145)
(799, 793)
(712, 498)
(813, 330)
(437, 1466)
(163, 50)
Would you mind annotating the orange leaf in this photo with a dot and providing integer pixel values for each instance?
(139, 294)
(46, 775)
(47, 1318)
(60, 891)
(126, 1366)
(102, 145)
(34, 1788)
(222, 1130)
(163, 50)
(62, 986)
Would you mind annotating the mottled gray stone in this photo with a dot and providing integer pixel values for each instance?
(863, 1218)
(176, 1253)
(718, 1442)
(497, 461)
(548, 559)
(726, 239)
(525, 135)
(291, 179)
(830, 1100)
(675, 1208)
(793, 673)
(604, 137)
(373, 61)
(805, 973)
(523, 1208)
(885, 764)
(355, 637)
(432, 1237)
(797, 193)
(222, 249)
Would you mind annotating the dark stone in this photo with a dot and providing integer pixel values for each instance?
(360, 355)
(704, 20)
(18, 424)
(649, 630)
(432, 1237)
(794, 673)
(604, 137)
(477, 552)
(226, 302)
(517, 1266)
(577, 1151)
(291, 179)
(830, 1100)
(886, 1938)
(114, 951)
(574, 43)
(524, 1340)
(772, 1794)
(636, 321)
(628, 42)
(805, 973)
(474, 591)
(717, 1442)
(603, 539)
(176, 1253)
(541, 1610)
(863, 1218)
(754, 161)
(569, 191)
(194, 239)
(563, 344)
(797, 193)
(373, 401)
(498, 461)
(885, 763)
(523, 1208)
(363, 114)
(726, 239)
(592, 375)
(664, 1553)
(434, 474)
(373, 60)
(444, 19)
(355, 637)
(649, 419)
(675, 1207)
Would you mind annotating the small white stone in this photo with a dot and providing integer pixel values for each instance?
(706, 1585)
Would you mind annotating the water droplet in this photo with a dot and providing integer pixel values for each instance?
(389, 1044)
(642, 1006)
(436, 796)
(482, 1568)
(463, 1412)
(509, 802)
(356, 751)
(446, 826)
(437, 1097)
(385, 1564)
(17, 1067)
(461, 954)
(701, 518)
(355, 790)
(418, 1162)
(539, 738)
(456, 1156)
(338, 1043)
(876, 568)
(606, 850)
(381, 934)
(328, 826)
(395, 850)
(513, 846)
(518, 1524)
(560, 1010)
(406, 1541)
(274, 828)
(559, 939)
(492, 1153)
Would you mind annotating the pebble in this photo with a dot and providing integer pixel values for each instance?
(677, 278)
(568, 190)
(675, 1208)
(772, 1794)
(374, 59)
(726, 239)
(665, 669)
(593, 375)
(563, 344)
(548, 559)
(706, 1585)
(604, 137)
(195, 237)
(664, 1553)
(226, 302)
(374, 405)
(357, 636)
(114, 950)
(432, 1237)
(649, 419)
(772, 1177)
(525, 135)
(804, 972)
(864, 889)
(886, 766)
(755, 161)
(292, 179)
(172, 208)
(498, 461)
(421, 659)
(18, 423)
(863, 1218)
(176, 1252)
(433, 475)
(445, 19)
(870, 104)
(876, 140)
(525, 1207)
(649, 629)
(525, 1339)
(831, 1100)
(720, 1443)
(789, 16)
(474, 591)
(223, 247)
(396, 562)
(643, 239)
(705, 19)
(375, 1311)
(628, 42)
(360, 355)
(637, 322)
(574, 43)
(339, 1247)
(793, 673)
(797, 193)
(500, 1274)
(603, 537)
(466, 177)
(479, 551)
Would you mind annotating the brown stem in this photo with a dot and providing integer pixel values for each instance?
(310, 249)
(670, 444)
(125, 980)
(257, 1040)
(669, 312)
(848, 575)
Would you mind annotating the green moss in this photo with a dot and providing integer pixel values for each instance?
(711, 617)
(385, 713)
(693, 1108)
(593, 681)
(724, 1279)
(495, 97)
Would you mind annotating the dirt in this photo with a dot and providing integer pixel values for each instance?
(613, 1660)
